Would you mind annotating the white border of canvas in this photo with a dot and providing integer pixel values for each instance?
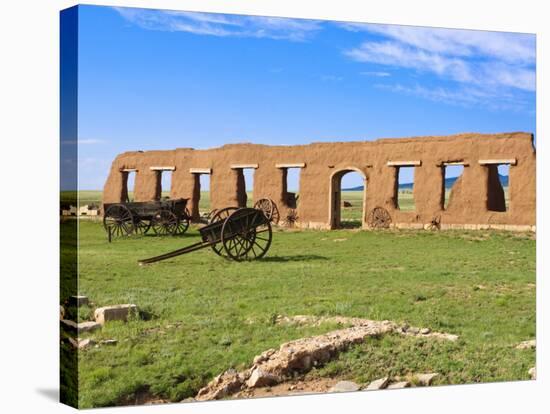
(29, 135)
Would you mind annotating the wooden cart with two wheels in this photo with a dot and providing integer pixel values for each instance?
(243, 234)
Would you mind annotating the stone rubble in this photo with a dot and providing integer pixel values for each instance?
(88, 326)
(79, 300)
(299, 356)
(378, 384)
(344, 386)
(426, 379)
(533, 373)
(532, 344)
(114, 313)
(81, 343)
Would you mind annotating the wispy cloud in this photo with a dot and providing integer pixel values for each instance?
(90, 141)
(222, 25)
(378, 74)
(484, 66)
(461, 96)
(508, 47)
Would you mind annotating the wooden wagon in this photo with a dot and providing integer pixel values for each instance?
(164, 217)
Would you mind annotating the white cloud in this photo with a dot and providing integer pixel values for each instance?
(221, 25)
(83, 142)
(508, 47)
(479, 71)
(490, 69)
(461, 96)
(378, 74)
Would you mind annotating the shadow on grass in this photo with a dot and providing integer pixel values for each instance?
(350, 224)
(296, 258)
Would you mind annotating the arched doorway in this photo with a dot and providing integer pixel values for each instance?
(347, 198)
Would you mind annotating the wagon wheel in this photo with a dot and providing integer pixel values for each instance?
(142, 226)
(435, 224)
(211, 214)
(118, 220)
(164, 222)
(251, 243)
(379, 218)
(291, 217)
(220, 215)
(183, 223)
(269, 209)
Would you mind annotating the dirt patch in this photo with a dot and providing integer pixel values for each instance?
(293, 387)
(142, 396)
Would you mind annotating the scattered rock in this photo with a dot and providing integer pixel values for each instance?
(81, 343)
(339, 240)
(223, 385)
(87, 326)
(294, 358)
(260, 378)
(343, 320)
(378, 384)
(398, 385)
(114, 313)
(80, 327)
(78, 300)
(426, 379)
(532, 344)
(533, 373)
(108, 342)
(344, 386)
(68, 324)
(61, 312)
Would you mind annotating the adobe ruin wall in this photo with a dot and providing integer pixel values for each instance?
(477, 200)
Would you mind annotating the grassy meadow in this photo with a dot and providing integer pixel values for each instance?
(203, 314)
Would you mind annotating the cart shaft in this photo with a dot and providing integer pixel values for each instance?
(179, 252)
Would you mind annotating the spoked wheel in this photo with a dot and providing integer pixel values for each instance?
(220, 215)
(211, 215)
(164, 222)
(435, 224)
(142, 226)
(246, 235)
(291, 218)
(379, 218)
(183, 223)
(269, 208)
(118, 221)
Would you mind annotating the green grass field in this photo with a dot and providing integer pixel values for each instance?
(205, 314)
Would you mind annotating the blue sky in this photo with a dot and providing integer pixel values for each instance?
(151, 79)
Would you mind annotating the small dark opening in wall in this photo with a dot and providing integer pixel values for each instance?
(498, 187)
(404, 200)
(452, 182)
(291, 186)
